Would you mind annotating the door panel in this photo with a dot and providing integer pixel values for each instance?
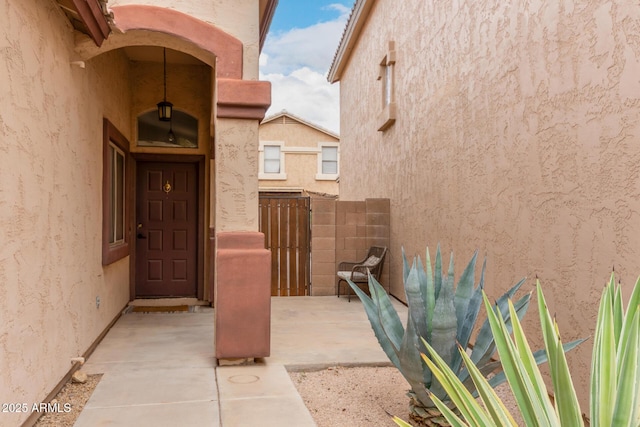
(166, 244)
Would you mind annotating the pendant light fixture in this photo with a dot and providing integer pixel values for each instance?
(165, 109)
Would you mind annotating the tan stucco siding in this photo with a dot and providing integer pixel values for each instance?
(239, 18)
(51, 199)
(236, 175)
(517, 134)
(301, 167)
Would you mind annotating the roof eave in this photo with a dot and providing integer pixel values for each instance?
(301, 120)
(265, 19)
(355, 24)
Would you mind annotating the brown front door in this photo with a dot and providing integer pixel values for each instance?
(166, 232)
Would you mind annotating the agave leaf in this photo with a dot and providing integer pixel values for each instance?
(466, 403)
(540, 357)
(485, 370)
(426, 280)
(634, 304)
(405, 266)
(384, 320)
(566, 400)
(464, 291)
(618, 314)
(567, 403)
(521, 307)
(484, 347)
(595, 381)
(443, 335)
(628, 380)
(521, 386)
(415, 302)
(464, 335)
(605, 370)
(494, 406)
(450, 280)
(438, 272)
(410, 363)
(400, 422)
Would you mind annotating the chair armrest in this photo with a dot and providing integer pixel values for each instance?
(360, 268)
(346, 266)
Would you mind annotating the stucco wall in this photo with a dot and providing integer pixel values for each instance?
(301, 167)
(51, 198)
(239, 18)
(236, 175)
(516, 134)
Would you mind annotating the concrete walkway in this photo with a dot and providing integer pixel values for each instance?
(159, 368)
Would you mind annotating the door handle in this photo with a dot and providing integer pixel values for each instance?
(141, 236)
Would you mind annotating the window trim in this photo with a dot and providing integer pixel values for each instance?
(386, 75)
(327, 176)
(114, 252)
(271, 176)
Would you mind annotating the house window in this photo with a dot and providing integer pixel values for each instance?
(386, 75)
(181, 131)
(116, 195)
(328, 162)
(272, 160)
(115, 209)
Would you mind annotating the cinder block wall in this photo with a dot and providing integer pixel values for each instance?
(378, 231)
(323, 246)
(344, 231)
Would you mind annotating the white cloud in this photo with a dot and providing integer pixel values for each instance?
(296, 63)
(306, 94)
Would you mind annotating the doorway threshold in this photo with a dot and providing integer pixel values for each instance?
(166, 305)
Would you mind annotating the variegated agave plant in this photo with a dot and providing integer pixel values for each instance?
(615, 372)
(444, 316)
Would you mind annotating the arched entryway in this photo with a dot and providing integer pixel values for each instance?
(220, 90)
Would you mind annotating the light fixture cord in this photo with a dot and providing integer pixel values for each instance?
(164, 54)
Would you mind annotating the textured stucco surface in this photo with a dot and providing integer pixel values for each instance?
(239, 18)
(236, 175)
(301, 167)
(51, 198)
(517, 134)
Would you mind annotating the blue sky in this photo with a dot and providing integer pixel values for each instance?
(297, 54)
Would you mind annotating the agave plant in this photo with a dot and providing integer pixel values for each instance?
(444, 316)
(615, 372)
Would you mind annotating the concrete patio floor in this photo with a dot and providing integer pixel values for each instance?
(159, 368)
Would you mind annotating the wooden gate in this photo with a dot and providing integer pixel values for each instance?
(285, 224)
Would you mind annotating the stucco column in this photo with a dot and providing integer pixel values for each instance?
(243, 269)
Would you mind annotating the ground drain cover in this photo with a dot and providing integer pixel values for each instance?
(243, 379)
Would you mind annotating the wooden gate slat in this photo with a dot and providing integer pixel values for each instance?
(273, 232)
(294, 283)
(263, 206)
(303, 245)
(285, 224)
(284, 221)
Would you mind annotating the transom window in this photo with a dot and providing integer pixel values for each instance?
(181, 131)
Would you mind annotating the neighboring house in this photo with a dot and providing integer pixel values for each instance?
(101, 201)
(297, 156)
(508, 127)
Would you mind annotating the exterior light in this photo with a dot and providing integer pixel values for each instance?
(165, 108)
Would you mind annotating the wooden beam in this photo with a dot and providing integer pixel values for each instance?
(91, 15)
